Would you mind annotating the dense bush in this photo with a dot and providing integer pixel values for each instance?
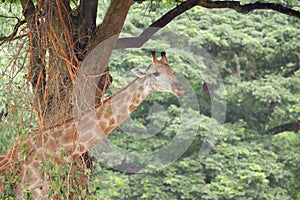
(245, 163)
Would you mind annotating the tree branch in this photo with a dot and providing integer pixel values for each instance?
(113, 21)
(236, 5)
(84, 22)
(109, 31)
(136, 42)
(292, 126)
(88, 10)
(28, 11)
(292, 71)
(13, 36)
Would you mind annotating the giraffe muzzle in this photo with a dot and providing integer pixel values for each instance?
(178, 90)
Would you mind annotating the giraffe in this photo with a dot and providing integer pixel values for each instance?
(77, 135)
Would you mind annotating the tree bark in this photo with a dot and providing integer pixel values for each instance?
(36, 68)
(60, 39)
(110, 28)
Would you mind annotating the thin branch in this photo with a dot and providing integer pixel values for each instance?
(13, 36)
(136, 42)
(292, 126)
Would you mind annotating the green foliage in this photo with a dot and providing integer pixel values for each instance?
(16, 115)
(261, 47)
(236, 169)
(11, 180)
(244, 164)
(61, 180)
(273, 99)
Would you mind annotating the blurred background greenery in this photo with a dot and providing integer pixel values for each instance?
(255, 55)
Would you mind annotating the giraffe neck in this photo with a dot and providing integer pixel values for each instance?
(113, 111)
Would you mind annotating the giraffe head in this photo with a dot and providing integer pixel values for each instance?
(161, 76)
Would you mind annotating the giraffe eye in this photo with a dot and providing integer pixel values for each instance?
(156, 73)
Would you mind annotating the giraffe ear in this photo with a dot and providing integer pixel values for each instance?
(139, 73)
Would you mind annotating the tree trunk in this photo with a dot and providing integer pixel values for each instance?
(60, 39)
